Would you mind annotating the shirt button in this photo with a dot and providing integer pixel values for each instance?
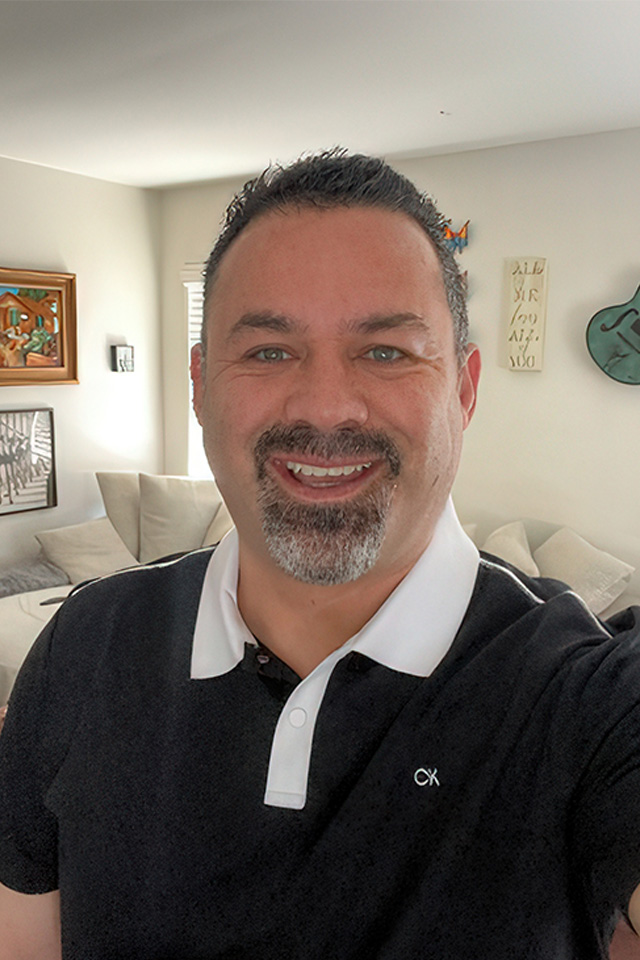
(298, 717)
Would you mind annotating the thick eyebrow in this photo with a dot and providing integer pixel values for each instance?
(383, 322)
(275, 322)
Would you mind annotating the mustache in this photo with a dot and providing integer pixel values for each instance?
(345, 442)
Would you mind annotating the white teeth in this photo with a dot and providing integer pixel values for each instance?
(308, 471)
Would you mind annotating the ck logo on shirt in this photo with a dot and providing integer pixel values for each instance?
(426, 778)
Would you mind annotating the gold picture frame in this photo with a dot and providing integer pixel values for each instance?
(37, 327)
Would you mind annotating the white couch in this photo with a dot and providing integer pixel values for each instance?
(147, 517)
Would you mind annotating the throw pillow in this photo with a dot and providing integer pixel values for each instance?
(220, 525)
(510, 543)
(175, 514)
(86, 550)
(596, 576)
(121, 497)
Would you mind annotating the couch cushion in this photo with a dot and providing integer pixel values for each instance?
(86, 550)
(121, 496)
(510, 543)
(175, 514)
(220, 525)
(596, 576)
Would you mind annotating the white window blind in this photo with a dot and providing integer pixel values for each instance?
(194, 310)
(192, 280)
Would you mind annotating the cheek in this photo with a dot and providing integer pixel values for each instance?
(418, 415)
(235, 417)
(431, 432)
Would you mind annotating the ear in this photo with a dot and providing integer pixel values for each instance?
(197, 378)
(468, 383)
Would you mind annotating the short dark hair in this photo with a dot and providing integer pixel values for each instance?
(335, 178)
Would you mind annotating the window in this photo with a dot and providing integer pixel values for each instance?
(192, 280)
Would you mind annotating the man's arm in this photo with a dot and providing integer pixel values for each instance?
(30, 925)
(634, 910)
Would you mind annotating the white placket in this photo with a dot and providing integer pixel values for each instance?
(288, 775)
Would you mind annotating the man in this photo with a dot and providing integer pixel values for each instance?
(343, 735)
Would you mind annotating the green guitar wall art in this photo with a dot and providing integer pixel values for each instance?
(613, 339)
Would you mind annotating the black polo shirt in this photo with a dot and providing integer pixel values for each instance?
(489, 810)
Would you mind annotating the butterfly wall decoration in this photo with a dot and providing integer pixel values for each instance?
(456, 240)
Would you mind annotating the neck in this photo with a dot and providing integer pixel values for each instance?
(303, 623)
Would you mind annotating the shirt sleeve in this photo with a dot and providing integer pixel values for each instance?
(605, 821)
(56, 694)
(43, 711)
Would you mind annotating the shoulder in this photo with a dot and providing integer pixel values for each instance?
(542, 625)
(547, 621)
(147, 587)
(545, 663)
(510, 594)
(134, 613)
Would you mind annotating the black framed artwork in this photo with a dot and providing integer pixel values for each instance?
(27, 460)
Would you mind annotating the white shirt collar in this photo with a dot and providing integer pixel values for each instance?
(411, 632)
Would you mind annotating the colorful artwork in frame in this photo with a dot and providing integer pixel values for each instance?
(37, 327)
(27, 461)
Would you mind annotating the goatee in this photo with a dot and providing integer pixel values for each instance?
(326, 543)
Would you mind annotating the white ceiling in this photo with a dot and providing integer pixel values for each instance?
(155, 92)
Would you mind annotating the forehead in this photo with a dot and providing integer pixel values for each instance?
(340, 262)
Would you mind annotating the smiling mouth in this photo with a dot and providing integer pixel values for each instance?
(333, 479)
(309, 470)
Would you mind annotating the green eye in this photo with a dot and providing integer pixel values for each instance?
(271, 354)
(384, 354)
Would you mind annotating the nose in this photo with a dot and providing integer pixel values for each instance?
(327, 394)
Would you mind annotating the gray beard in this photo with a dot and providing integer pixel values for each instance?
(325, 544)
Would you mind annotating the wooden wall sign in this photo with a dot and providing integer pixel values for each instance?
(526, 298)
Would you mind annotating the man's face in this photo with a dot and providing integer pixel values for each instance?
(332, 400)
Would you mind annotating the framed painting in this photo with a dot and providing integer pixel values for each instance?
(27, 460)
(37, 327)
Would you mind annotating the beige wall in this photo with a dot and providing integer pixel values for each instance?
(561, 446)
(108, 236)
